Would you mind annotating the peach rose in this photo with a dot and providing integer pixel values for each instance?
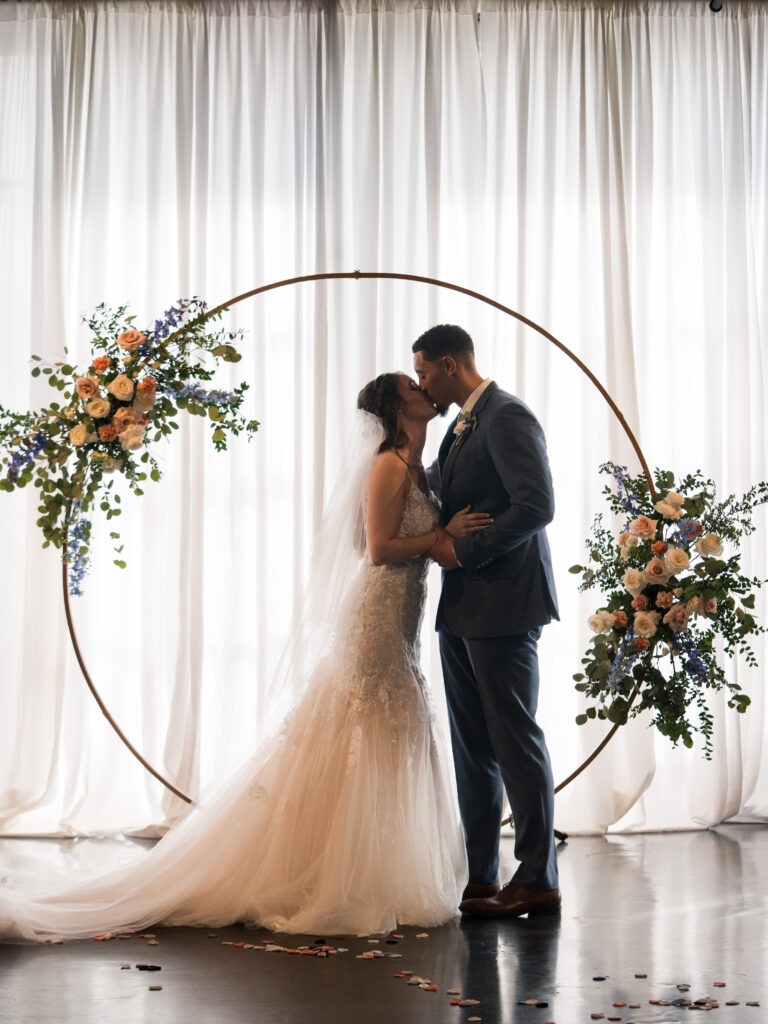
(640, 643)
(658, 547)
(676, 618)
(130, 340)
(127, 416)
(132, 437)
(144, 402)
(108, 432)
(101, 364)
(640, 603)
(620, 620)
(656, 571)
(121, 387)
(98, 408)
(664, 599)
(643, 527)
(707, 605)
(87, 387)
(709, 545)
(676, 561)
(646, 623)
(634, 581)
(601, 622)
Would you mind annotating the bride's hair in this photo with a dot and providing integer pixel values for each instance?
(381, 398)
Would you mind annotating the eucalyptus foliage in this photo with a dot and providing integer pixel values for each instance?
(102, 420)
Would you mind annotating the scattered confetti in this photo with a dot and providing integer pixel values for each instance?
(600, 977)
(641, 975)
(155, 988)
(423, 935)
(719, 984)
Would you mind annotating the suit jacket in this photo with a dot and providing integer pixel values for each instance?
(505, 584)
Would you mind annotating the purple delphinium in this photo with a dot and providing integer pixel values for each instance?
(76, 538)
(25, 454)
(628, 501)
(623, 662)
(690, 654)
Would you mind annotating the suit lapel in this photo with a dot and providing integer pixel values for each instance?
(461, 439)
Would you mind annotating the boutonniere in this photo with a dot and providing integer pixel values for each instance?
(466, 423)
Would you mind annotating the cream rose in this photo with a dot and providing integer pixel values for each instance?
(673, 498)
(132, 437)
(668, 510)
(676, 560)
(645, 624)
(601, 621)
(676, 618)
(78, 435)
(87, 387)
(130, 340)
(110, 465)
(656, 571)
(122, 388)
(98, 408)
(643, 527)
(634, 581)
(709, 545)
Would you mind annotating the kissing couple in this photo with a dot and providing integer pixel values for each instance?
(345, 823)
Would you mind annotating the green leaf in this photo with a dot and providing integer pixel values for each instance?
(219, 435)
(581, 719)
(749, 601)
(36, 369)
(576, 568)
(119, 563)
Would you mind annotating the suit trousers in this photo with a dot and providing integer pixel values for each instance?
(492, 687)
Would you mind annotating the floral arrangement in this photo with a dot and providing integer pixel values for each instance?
(674, 596)
(106, 416)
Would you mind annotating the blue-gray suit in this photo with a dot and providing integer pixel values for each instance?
(489, 620)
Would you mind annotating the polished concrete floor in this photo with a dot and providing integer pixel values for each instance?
(686, 908)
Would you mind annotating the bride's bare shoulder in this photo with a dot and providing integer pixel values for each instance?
(388, 472)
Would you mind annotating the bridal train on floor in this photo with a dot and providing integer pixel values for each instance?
(345, 823)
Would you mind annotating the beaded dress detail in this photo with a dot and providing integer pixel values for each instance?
(346, 823)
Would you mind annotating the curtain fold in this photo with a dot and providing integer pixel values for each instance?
(598, 166)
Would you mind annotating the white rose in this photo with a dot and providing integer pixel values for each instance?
(634, 581)
(98, 408)
(668, 510)
(132, 437)
(122, 388)
(79, 435)
(646, 623)
(601, 621)
(709, 545)
(143, 402)
(676, 560)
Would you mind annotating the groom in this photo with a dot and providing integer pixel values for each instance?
(498, 592)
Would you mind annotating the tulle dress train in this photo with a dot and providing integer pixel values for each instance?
(345, 823)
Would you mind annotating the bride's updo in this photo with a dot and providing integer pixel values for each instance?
(382, 398)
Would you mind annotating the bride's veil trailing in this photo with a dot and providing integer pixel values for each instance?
(337, 548)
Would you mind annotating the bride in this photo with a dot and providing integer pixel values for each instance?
(346, 821)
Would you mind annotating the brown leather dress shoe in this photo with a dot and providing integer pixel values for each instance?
(480, 890)
(514, 901)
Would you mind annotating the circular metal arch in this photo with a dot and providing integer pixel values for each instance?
(359, 275)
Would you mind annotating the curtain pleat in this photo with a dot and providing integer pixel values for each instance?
(599, 167)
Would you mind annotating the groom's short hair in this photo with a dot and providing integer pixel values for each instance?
(445, 340)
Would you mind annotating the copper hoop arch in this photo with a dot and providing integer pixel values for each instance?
(358, 275)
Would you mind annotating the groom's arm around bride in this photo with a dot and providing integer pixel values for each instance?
(498, 591)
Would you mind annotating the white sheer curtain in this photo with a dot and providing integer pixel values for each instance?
(600, 167)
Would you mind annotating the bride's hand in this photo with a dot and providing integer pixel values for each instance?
(466, 521)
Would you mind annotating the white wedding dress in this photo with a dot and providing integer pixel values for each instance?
(346, 823)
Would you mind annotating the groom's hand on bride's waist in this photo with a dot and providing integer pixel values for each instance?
(442, 551)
